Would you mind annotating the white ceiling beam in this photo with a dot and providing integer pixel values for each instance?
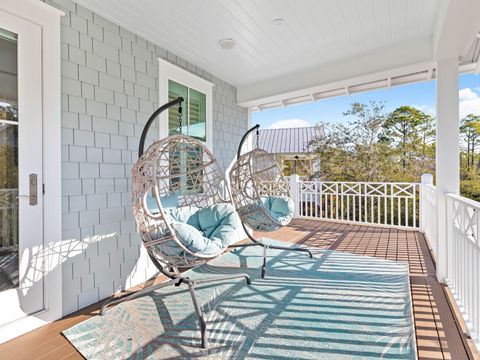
(457, 25)
(430, 74)
(312, 81)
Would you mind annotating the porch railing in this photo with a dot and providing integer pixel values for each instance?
(428, 212)
(414, 206)
(463, 259)
(373, 203)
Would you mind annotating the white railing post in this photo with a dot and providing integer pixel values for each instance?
(294, 191)
(426, 179)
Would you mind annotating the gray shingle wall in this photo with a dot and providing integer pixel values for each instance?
(109, 89)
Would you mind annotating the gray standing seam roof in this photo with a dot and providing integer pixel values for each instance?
(288, 141)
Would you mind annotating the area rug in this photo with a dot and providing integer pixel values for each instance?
(335, 306)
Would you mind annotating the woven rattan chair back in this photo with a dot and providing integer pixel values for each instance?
(254, 176)
(181, 166)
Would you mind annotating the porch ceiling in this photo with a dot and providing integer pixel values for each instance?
(321, 41)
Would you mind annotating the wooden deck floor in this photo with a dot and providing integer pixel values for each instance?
(439, 333)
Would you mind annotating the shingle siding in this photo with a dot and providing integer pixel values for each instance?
(109, 89)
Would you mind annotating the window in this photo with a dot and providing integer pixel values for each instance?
(196, 122)
(187, 182)
(194, 116)
(197, 108)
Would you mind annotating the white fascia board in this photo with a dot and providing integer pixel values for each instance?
(341, 74)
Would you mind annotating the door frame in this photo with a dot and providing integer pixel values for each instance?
(48, 18)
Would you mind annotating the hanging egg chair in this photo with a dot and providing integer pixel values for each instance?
(260, 191)
(182, 209)
(261, 195)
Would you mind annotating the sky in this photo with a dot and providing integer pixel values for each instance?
(419, 95)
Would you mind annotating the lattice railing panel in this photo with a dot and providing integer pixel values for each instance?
(463, 259)
(389, 204)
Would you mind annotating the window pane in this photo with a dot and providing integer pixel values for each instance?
(174, 91)
(197, 115)
(176, 164)
(187, 164)
(195, 170)
(8, 161)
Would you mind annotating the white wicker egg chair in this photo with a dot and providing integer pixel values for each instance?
(183, 167)
(261, 195)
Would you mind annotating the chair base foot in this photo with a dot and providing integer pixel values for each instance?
(177, 282)
(257, 242)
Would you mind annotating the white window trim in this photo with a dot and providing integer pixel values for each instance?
(168, 71)
(48, 17)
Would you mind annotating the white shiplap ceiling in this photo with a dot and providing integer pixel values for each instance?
(316, 33)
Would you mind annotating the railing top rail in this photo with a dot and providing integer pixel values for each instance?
(465, 200)
(362, 182)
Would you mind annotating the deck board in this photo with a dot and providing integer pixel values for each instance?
(439, 334)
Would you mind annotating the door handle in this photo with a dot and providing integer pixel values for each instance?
(32, 188)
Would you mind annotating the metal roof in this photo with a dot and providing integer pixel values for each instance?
(288, 141)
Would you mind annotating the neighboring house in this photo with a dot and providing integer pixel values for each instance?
(292, 149)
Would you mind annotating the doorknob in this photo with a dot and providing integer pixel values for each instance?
(32, 188)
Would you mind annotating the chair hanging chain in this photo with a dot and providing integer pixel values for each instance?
(258, 138)
(180, 113)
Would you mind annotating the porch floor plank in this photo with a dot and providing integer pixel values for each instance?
(439, 332)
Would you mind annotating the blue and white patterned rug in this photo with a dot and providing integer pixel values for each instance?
(336, 306)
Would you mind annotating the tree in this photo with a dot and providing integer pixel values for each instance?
(470, 129)
(368, 150)
(411, 130)
(8, 112)
(365, 133)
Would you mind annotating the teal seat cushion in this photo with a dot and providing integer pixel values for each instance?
(185, 214)
(281, 208)
(194, 240)
(221, 223)
(206, 231)
(168, 202)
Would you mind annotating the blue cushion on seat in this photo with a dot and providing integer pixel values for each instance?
(194, 240)
(186, 214)
(211, 217)
(206, 231)
(282, 208)
(168, 202)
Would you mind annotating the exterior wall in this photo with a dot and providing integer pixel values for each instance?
(109, 89)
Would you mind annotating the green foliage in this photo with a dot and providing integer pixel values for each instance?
(470, 131)
(469, 159)
(470, 189)
(377, 146)
(8, 113)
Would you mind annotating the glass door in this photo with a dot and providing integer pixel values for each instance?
(8, 161)
(21, 206)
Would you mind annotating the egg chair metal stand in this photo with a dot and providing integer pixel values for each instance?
(181, 165)
(254, 177)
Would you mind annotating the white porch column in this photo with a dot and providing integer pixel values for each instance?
(447, 152)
